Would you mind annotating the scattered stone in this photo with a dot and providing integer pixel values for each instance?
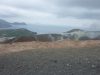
(55, 61)
(69, 65)
(93, 66)
(86, 59)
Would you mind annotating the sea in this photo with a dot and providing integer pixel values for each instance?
(42, 29)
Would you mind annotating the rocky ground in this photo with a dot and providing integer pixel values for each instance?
(70, 58)
(85, 61)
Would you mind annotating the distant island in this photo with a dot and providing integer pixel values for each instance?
(5, 24)
(18, 23)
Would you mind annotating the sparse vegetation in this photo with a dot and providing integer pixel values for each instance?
(16, 32)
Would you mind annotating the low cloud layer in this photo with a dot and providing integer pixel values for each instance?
(51, 12)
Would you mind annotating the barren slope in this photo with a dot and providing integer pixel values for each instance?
(42, 45)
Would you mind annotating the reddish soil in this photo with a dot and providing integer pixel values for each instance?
(19, 46)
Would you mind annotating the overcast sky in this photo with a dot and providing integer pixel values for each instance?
(52, 12)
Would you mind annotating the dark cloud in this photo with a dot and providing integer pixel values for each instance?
(88, 4)
(80, 9)
(85, 15)
(90, 15)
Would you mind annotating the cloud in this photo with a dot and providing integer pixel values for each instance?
(14, 12)
(80, 9)
(94, 26)
(90, 15)
(88, 4)
(38, 5)
(55, 12)
(7, 12)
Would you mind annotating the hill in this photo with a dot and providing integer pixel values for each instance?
(4, 24)
(75, 30)
(16, 32)
(18, 23)
(78, 34)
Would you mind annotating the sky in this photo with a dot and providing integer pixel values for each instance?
(76, 13)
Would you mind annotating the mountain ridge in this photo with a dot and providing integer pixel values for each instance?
(6, 24)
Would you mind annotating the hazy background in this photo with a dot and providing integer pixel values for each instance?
(46, 16)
